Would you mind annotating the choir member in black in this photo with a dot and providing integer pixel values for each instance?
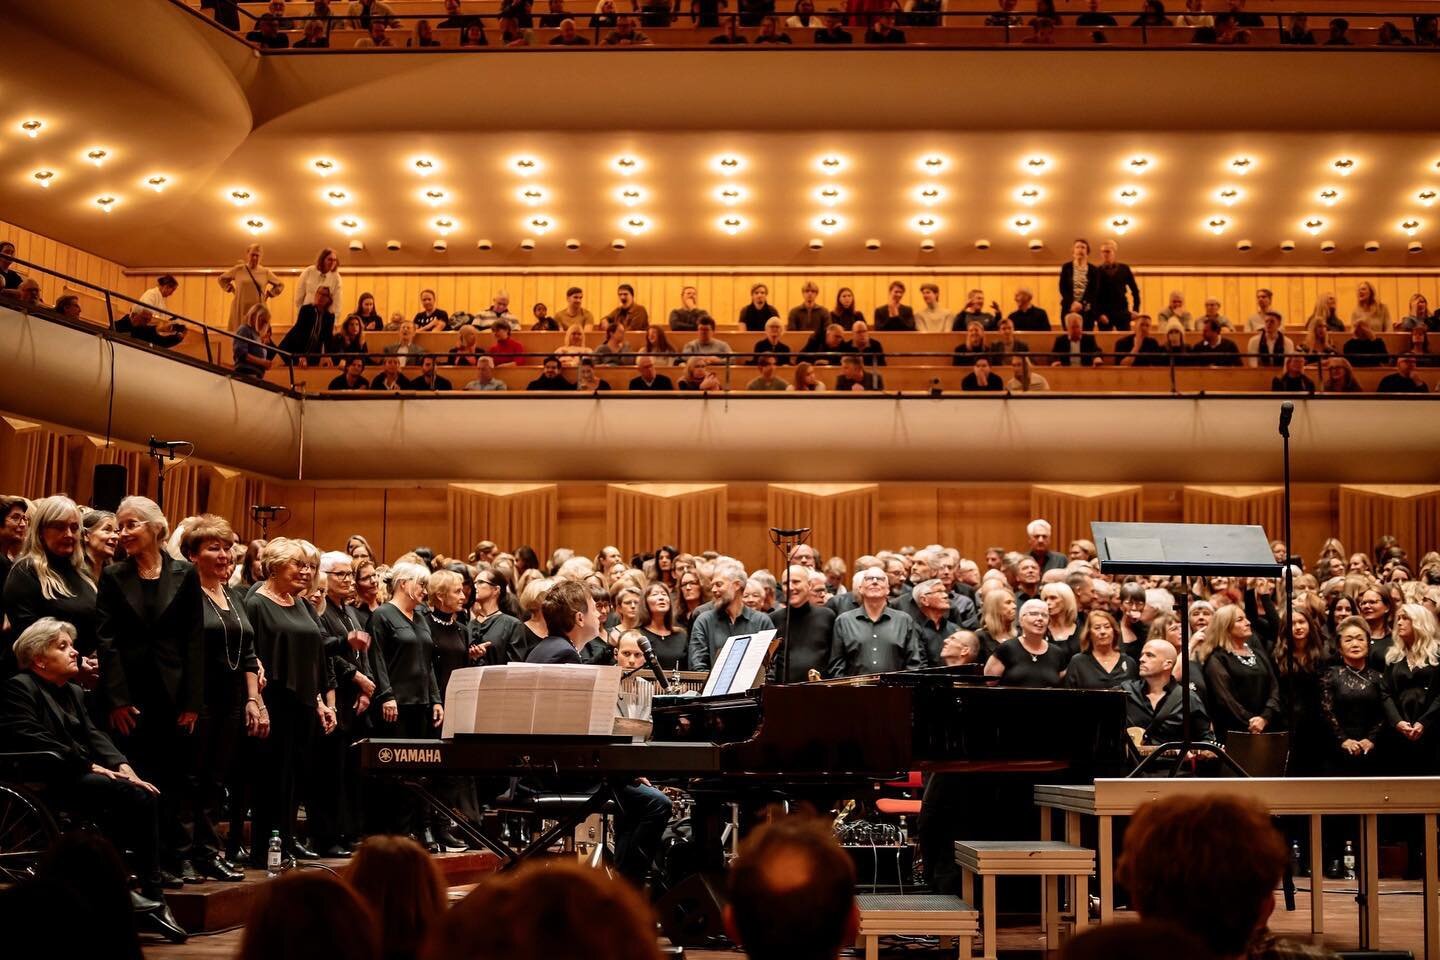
(338, 822)
(1154, 706)
(1300, 668)
(413, 710)
(1412, 675)
(1029, 660)
(810, 626)
(299, 689)
(99, 538)
(1356, 706)
(669, 641)
(152, 667)
(367, 592)
(1133, 632)
(997, 621)
(928, 603)
(1340, 607)
(233, 708)
(665, 565)
(51, 578)
(453, 651)
(532, 599)
(1099, 665)
(599, 651)
(42, 709)
(1244, 693)
(1373, 605)
(690, 599)
(495, 637)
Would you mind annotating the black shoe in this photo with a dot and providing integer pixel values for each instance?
(161, 921)
(451, 841)
(427, 839)
(143, 904)
(299, 851)
(166, 880)
(336, 851)
(218, 869)
(187, 873)
(238, 855)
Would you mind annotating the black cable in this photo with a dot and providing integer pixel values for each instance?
(110, 407)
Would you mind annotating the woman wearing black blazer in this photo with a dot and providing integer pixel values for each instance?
(1081, 284)
(152, 667)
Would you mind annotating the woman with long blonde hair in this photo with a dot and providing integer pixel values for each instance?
(1244, 692)
(997, 620)
(51, 578)
(1412, 676)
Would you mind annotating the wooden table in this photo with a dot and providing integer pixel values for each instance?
(1312, 797)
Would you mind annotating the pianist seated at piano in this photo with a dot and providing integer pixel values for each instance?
(727, 617)
(810, 628)
(1153, 705)
(1031, 659)
(875, 637)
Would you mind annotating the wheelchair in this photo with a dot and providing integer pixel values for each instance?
(28, 827)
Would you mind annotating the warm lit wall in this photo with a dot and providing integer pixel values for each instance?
(724, 293)
(63, 258)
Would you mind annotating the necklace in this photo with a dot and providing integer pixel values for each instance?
(232, 662)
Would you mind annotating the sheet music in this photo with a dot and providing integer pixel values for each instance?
(524, 698)
(462, 694)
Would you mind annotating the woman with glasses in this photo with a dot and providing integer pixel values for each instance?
(1373, 606)
(367, 591)
(690, 600)
(493, 636)
(1030, 659)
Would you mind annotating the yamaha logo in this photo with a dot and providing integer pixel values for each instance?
(385, 755)
(409, 755)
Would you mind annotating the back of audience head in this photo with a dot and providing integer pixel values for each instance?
(404, 888)
(1136, 941)
(308, 913)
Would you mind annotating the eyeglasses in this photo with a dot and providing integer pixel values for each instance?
(370, 579)
(343, 574)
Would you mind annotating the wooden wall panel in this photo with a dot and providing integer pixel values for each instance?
(415, 517)
(974, 517)
(341, 512)
(63, 258)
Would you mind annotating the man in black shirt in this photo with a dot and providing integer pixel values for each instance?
(832, 32)
(854, 376)
(429, 379)
(729, 617)
(1403, 380)
(1243, 19)
(1213, 350)
(809, 629)
(730, 34)
(1027, 316)
(928, 604)
(267, 34)
(1294, 379)
(389, 377)
(874, 638)
(1364, 349)
(1037, 531)
(1094, 17)
(10, 278)
(884, 31)
(1111, 305)
(1139, 349)
(1075, 347)
(430, 318)
(647, 378)
(1153, 699)
(551, 378)
(354, 376)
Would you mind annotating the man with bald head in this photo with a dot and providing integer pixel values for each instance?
(1154, 704)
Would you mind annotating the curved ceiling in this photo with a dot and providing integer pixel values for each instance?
(938, 144)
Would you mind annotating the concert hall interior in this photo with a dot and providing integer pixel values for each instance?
(416, 542)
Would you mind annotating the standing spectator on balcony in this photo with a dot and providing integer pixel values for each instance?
(574, 314)
(854, 376)
(1269, 347)
(870, 350)
(625, 34)
(1113, 310)
(353, 378)
(808, 315)
(11, 279)
(1025, 316)
(630, 313)
(254, 346)
(365, 12)
(1081, 284)
(932, 318)
(1075, 347)
(430, 318)
(1404, 379)
(499, 309)
(771, 344)
(1264, 299)
(883, 30)
(1139, 349)
(770, 32)
(1364, 349)
(153, 310)
(1297, 32)
(833, 31)
(485, 376)
(1369, 308)
(754, 314)
(313, 329)
(705, 343)
(389, 377)
(1293, 380)
(267, 34)
(974, 312)
(1213, 350)
(895, 315)
(250, 282)
(646, 378)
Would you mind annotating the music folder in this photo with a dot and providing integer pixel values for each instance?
(561, 699)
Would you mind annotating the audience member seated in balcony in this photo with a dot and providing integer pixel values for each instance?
(1419, 346)
(645, 376)
(505, 348)
(1297, 32)
(499, 309)
(1325, 314)
(974, 312)
(1139, 349)
(550, 377)
(1368, 307)
(825, 345)
(1242, 17)
(1339, 34)
(981, 378)
(894, 315)
(705, 343)
(1213, 350)
(883, 30)
(1195, 16)
(854, 376)
(1419, 317)
(767, 379)
(1175, 310)
(9, 279)
(405, 348)
(369, 316)
(754, 314)
(365, 12)
(657, 343)
(771, 343)
(846, 311)
(512, 34)
(1075, 347)
(267, 34)
(315, 37)
(625, 34)
(1042, 32)
(313, 328)
(430, 318)
(568, 37)
(628, 312)
(586, 379)
(805, 17)
(1293, 380)
(833, 31)
(1404, 379)
(808, 315)
(1094, 16)
(698, 376)
(770, 32)
(428, 379)
(1269, 347)
(1263, 305)
(1364, 349)
(253, 348)
(28, 294)
(149, 321)
(454, 19)
(389, 377)
(1212, 312)
(467, 351)
(614, 351)
(1339, 376)
(250, 282)
(1023, 378)
(1027, 315)
(1153, 16)
(485, 376)
(1317, 343)
(68, 306)
(687, 316)
(353, 377)
(971, 347)
(1427, 30)
(474, 34)
(1006, 342)
(1005, 16)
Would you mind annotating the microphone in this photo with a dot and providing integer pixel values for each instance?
(167, 444)
(648, 650)
(1287, 410)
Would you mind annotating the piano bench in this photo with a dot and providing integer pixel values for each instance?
(937, 915)
(1048, 859)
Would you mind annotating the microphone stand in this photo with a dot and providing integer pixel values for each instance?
(786, 541)
(1287, 410)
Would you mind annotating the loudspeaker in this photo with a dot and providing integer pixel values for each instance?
(110, 482)
(691, 913)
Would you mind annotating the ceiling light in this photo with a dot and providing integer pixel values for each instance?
(832, 163)
(731, 224)
(1139, 164)
(105, 203)
(336, 197)
(424, 166)
(1034, 164)
(1410, 226)
(634, 224)
(829, 195)
(1029, 195)
(444, 225)
(933, 163)
(728, 164)
(630, 196)
(324, 167)
(1242, 165)
(43, 177)
(240, 197)
(730, 194)
(1329, 196)
(929, 194)
(434, 196)
(97, 156)
(1023, 225)
(531, 195)
(32, 128)
(158, 182)
(255, 225)
(1229, 195)
(1426, 197)
(348, 225)
(1344, 166)
(829, 224)
(1120, 225)
(525, 166)
(1217, 225)
(626, 165)
(926, 223)
(1314, 225)
(540, 224)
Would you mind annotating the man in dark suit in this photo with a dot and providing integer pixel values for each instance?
(1075, 347)
(43, 711)
(647, 378)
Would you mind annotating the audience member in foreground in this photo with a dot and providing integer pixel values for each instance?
(307, 913)
(1135, 941)
(81, 878)
(792, 893)
(1209, 864)
(404, 888)
(551, 910)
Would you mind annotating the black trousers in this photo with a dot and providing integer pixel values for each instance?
(277, 773)
(325, 788)
(126, 813)
(213, 771)
(396, 809)
(161, 753)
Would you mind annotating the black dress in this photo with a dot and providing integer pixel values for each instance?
(1355, 705)
(1240, 689)
(1300, 703)
(506, 636)
(452, 647)
(1026, 669)
(25, 603)
(673, 651)
(229, 642)
(1086, 673)
(1416, 693)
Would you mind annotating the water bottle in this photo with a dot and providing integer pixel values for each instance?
(273, 858)
(1349, 860)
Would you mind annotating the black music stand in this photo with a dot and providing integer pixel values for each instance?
(1185, 550)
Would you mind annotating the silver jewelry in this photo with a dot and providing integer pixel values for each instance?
(233, 664)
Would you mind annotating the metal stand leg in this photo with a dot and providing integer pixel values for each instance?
(1317, 881)
(1369, 896)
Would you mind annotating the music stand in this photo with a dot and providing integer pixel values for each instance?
(1185, 550)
